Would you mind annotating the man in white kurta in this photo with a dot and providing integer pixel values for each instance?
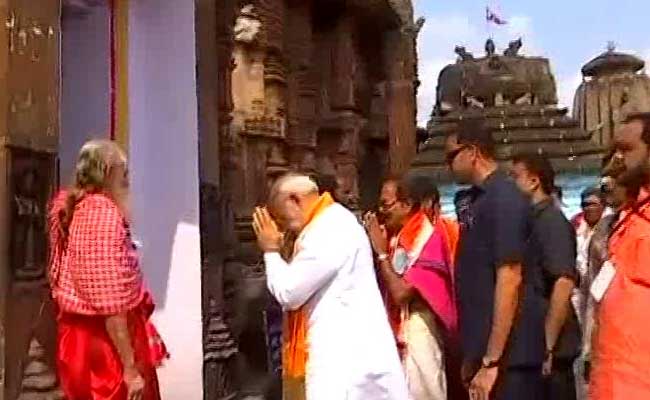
(352, 351)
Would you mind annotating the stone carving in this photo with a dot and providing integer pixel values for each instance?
(296, 85)
(219, 343)
(39, 382)
(247, 26)
(614, 85)
(490, 48)
(463, 54)
(29, 242)
(517, 97)
(419, 24)
(513, 48)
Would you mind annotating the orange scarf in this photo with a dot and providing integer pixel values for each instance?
(294, 354)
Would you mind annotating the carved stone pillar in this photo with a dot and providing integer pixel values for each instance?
(302, 87)
(29, 138)
(215, 24)
(344, 69)
(273, 14)
(401, 64)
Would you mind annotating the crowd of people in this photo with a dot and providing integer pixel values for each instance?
(509, 300)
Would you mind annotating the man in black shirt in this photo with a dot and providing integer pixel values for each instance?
(549, 277)
(489, 270)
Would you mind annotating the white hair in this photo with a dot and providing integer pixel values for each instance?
(293, 184)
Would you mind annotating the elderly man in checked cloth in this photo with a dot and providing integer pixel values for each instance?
(107, 348)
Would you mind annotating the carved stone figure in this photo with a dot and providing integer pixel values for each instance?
(419, 24)
(463, 54)
(28, 232)
(517, 97)
(490, 48)
(247, 26)
(513, 48)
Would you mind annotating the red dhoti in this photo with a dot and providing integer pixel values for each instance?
(88, 363)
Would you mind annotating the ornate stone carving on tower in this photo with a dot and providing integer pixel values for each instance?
(614, 84)
(517, 96)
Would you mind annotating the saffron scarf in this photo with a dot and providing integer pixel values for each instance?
(431, 251)
(295, 352)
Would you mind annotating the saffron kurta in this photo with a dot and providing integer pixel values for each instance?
(351, 350)
(622, 345)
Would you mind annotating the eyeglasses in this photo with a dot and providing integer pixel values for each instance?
(451, 156)
(586, 204)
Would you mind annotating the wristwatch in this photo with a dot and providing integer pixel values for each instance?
(382, 257)
(489, 364)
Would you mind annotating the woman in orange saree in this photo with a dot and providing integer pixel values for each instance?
(107, 347)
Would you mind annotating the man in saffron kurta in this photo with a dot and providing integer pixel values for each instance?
(621, 350)
(337, 337)
(416, 272)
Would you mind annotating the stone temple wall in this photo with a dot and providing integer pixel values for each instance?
(322, 87)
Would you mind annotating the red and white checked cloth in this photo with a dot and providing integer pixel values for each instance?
(98, 272)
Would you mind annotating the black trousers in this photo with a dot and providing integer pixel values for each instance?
(520, 384)
(561, 385)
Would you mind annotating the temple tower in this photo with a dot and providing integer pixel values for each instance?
(517, 95)
(614, 84)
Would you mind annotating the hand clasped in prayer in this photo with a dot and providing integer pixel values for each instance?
(376, 233)
(269, 237)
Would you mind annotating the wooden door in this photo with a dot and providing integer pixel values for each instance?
(29, 131)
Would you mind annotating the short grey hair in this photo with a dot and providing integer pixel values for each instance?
(292, 183)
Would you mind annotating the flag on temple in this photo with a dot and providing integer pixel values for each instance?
(491, 16)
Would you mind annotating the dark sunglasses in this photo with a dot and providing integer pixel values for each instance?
(451, 156)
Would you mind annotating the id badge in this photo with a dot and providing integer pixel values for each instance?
(604, 278)
(400, 261)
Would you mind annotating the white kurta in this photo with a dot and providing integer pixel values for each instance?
(352, 351)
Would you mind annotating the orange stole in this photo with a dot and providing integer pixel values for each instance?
(295, 353)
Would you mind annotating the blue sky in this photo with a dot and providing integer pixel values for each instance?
(568, 32)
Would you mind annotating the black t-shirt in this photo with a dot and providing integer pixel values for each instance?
(551, 254)
(496, 235)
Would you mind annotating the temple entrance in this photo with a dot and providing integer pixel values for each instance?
(74, 98)
(67, 71)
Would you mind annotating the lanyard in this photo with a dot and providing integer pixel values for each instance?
(633, 211)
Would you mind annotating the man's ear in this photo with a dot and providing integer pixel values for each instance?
(536, 182)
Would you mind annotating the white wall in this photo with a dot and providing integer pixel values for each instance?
(85, 84)
(164, 167)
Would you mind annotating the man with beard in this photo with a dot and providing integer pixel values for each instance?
(622, 345)
(614, 196)
(489, 273)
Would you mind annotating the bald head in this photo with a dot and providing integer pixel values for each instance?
(291, 197)
(292, 184)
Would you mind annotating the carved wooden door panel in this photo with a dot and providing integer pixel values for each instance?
(29, 132)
